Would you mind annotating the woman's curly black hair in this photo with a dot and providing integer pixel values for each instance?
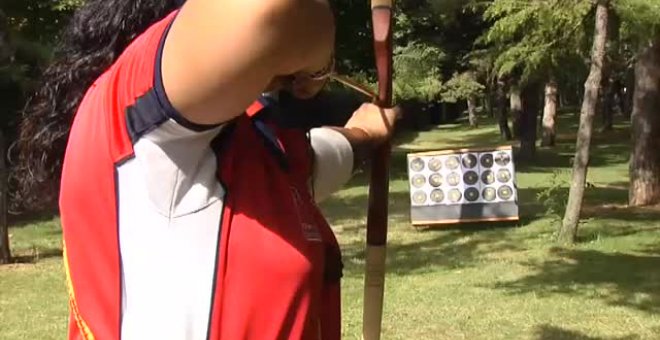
(97, 34)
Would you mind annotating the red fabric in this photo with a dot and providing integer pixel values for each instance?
(254, 108)
(88, 202)
(269, 282)
(273, 288)
(74, 331)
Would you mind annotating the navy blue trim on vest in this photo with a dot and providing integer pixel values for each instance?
(271, 142)
(260, 122)
(144, 116)
(161, 95)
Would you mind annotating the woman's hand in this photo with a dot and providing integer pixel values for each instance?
(369, 127)
(374, 122)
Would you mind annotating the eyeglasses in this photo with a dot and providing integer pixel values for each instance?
(328, 72)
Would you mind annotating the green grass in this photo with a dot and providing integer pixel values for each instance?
(33, 298)
(480, 281)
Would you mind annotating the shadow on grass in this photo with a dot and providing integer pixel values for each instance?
(451, 137)
(547, 332)
(346, 210)
(607, 147)
(466, 245)
(598, 203)
(448, 249)
(37, 255)
(560, 156)
(22, 220)
(452, 247)
(618, 279)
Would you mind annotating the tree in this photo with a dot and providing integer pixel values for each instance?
(33, 28)
(549, 114)
(6, 54)
(535, 39)
(645, 158)
(531, 106)
(536, 42)
(5, 253)
(515, 103)
(592, 88)
(417, 71)
(611, 72)
(640, 29)
(354, 50)
(464, 86)
(502, 113)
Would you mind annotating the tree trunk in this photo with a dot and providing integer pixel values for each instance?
(515, 102)
(5, 47)
(472, 111)
(606, 97)
(549, 114)
(645, 160)
(617, 96)
(606, 104)
(610, 70)
(629, 93)
(502, 114)
(531, 104)
(488, 100)
(568, 231)
(5, 253)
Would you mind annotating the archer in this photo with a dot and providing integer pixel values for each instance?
(187, 212)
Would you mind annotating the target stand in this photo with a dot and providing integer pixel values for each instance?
(462, 186)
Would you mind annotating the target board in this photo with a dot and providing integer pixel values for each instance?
(465, 185)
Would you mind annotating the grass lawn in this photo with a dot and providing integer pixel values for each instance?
(481, 281)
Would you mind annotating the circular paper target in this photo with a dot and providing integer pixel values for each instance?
(435, 180)
(419, 197)
(488, 177)
(471, 194)
(469, 161)
(454, 195)
(437, 196)
(503, 175)
(489, 194)
(486, 160)
(452, 162)
(453, 179)
(505, 192)
(418, 181)
(435, 164)
(470, 178)
(502, 158)
(417, 164)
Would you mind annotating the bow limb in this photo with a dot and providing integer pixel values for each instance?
(374, 283)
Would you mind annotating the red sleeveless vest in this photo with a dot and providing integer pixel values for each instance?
(279, 262)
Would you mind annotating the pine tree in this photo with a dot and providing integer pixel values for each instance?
(592, 87)
(641, 19)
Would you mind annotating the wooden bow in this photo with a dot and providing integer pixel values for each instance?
(374, 282)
